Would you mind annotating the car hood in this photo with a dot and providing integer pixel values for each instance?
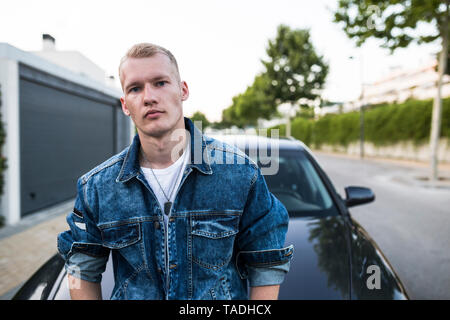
(320, 268)
(320, 265)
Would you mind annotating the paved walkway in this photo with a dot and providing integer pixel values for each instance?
(419, 175)
(27, 245)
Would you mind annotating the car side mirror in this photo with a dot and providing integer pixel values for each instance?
(358, 195)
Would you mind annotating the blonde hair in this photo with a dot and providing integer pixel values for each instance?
(146, 50)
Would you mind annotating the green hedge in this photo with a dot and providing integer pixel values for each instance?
(2, 158)
(383, 125)
(2, 142)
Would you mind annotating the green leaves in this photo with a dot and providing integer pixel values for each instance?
(3, 161)
(384, 125)
(397, 22)
(294, 72)
(256, 102)
(199, 116)
(295, 69)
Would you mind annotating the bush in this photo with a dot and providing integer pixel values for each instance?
(384, 124)
(2, 158)
(393, 123)
(302, 129)
(2, 142)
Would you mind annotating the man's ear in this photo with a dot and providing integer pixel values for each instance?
(124, 107)
(184, 91)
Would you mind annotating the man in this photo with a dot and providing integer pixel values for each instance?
(178, 225)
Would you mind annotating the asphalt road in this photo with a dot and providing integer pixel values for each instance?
(409, 220)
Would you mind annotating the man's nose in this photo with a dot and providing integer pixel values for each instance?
(149, 95)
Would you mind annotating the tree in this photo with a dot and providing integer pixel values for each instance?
(398, 23)
(255, 103)
(230, 117)
(296, 72)
(198, 116)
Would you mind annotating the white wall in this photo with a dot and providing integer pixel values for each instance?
(9, 81)
(403, 150)
(74, 61)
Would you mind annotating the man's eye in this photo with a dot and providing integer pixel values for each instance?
(134, 89)
(161, 83)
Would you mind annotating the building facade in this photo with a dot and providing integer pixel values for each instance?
(401, 85)
(59, 123)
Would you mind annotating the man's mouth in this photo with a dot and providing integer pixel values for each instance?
(153, 114)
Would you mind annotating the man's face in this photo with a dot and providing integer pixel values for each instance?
(153, 94)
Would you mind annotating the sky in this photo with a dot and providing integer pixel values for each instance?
(218, 44)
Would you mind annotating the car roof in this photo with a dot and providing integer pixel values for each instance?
(243, 141)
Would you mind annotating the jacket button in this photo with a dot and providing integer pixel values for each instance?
(156, 224)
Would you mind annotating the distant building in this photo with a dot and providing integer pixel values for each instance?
(333, 108)
(61, 119)
(402, 84)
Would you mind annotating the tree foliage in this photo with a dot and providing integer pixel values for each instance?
(400, 23)
(199, 116)
(397, 22)
(294, 73)
(3, 165)
(256, 102)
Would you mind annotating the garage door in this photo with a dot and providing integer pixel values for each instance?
(65, 130)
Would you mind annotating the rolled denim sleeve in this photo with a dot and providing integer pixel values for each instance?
(86, 267)
(261, 240)
(267, 276)
(82, 237)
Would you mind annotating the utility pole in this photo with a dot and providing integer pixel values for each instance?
(361, 111)
(361, 132)
(288, 125)
(437, 104)
(361, 108)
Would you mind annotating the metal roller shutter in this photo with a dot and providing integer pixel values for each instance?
(63, 134)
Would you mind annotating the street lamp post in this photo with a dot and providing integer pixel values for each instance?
(361, 133)
(361, 108)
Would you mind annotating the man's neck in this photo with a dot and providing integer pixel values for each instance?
(161, 152)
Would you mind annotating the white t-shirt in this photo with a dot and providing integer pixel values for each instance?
(169, 178)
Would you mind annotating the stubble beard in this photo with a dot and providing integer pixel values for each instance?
(161, 132)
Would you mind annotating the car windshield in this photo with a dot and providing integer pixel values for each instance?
(296, 184)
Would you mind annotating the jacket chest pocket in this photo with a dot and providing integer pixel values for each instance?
(124, 238)
(120, 235)
(213, 240)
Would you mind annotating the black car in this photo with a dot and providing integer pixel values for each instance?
(334, 257)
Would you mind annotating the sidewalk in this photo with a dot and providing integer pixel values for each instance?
(419, 175)
(27, 245)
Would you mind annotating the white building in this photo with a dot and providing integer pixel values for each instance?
(60, 121)
(402, 84)
(72, 60)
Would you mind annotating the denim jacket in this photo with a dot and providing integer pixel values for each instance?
(224, 225)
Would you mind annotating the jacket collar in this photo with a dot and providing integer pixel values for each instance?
(199, 157)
